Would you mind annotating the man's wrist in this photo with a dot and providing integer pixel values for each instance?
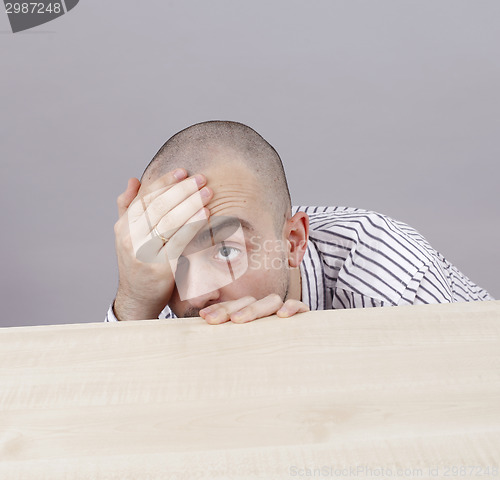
(113, 311)
(126, 308)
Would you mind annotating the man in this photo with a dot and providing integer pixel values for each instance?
(210, 231)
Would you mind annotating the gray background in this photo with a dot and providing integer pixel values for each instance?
(391, 106)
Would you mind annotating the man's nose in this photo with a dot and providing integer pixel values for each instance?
(199, 280)
(205, 300)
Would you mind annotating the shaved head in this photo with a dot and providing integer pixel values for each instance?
(216, 143)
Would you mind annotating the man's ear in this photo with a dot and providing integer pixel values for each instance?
(297, 231)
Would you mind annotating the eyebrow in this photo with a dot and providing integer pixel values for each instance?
(219, 232)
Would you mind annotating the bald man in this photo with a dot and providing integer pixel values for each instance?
(210, 231)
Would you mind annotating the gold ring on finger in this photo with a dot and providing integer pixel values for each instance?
(158, 234)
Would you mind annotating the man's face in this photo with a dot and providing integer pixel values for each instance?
(243, 253)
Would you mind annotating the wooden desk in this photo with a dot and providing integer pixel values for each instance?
(347, 393)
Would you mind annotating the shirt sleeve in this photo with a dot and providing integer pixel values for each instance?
(428, 285)
(344, 298)
(432, 283)
(441, 282)
(111, 317)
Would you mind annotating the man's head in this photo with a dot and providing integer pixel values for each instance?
(224, 146)
(247, 177)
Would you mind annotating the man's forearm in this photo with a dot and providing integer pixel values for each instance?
(126, 308)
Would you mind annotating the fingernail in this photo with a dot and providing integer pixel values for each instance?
(237, 316)
(205, 192)
(212, 316)
(179, 174)
(200, 180)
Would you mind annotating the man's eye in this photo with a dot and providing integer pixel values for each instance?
(227, 253)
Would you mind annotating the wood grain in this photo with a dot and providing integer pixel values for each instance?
(397, 392)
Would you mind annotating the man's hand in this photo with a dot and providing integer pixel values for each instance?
(247, 309)
(171, 204)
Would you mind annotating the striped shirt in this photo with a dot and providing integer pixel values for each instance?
(357, 258)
